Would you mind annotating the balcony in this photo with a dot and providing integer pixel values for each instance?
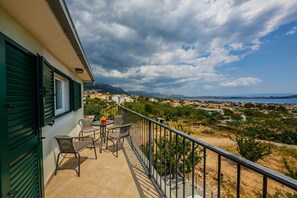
(107, 176)
(164, 162)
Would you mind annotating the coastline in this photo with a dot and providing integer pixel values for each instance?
(292, 101)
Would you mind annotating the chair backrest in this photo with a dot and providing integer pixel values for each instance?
(65, 144)
(125, 130)
(85, 123)
(118, 119)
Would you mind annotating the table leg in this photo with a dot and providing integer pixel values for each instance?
(102, 136)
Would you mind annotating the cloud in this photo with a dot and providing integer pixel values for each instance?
(244, 81)
(137, 41)
(208, 87)
(292, 31)
(168, 78)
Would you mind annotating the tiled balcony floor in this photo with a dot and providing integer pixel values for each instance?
(107, 176)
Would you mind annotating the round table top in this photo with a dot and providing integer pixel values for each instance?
(98, 123)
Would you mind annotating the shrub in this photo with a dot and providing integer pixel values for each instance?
(167, 153)
(250, 148)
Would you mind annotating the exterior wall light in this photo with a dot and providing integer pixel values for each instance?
(79, 71)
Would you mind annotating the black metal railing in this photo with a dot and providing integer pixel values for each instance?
(182, 166)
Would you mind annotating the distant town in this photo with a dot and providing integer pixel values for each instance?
(208, 106)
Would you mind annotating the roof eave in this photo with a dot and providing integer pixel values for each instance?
(61, 12)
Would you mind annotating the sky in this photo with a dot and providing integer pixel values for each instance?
(190, 47)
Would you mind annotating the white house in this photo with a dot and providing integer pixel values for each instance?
(121, 98)
(42, 68)
(153, 100)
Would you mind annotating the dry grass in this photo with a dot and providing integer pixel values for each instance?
(251, 182)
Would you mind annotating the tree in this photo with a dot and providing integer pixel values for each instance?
(250, 148)
(98, 108)
(148, 108)
(169, 152)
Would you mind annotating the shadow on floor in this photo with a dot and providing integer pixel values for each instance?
(140, 176)
(71, 162)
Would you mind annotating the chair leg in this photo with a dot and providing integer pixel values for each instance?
(81, 135)
(57, 163)
(117, 147)
(95, 149)
(78, 172)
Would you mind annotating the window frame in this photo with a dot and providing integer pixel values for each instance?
(62, 84)
(56, 71)
(46, 80)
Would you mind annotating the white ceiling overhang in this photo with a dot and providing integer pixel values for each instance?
(50, 23)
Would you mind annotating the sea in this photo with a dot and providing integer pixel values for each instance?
(251, 100)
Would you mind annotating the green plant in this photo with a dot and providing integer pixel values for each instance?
(250, 148)
(170, 152)
(170, 155)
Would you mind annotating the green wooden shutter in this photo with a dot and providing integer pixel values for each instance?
(20, 168)
(24, 175)
(48, 93)
(76, 96)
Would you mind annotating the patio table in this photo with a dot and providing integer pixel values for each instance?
(102, 130)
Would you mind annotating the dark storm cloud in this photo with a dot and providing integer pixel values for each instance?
(138, 43)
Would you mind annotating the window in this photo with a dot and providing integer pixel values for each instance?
(62, 99)
(60, 93)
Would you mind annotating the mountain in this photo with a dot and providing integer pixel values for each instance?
(144, 93)
(154, 94)
(99, 87)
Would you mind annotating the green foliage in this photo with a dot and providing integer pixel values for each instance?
(148, 108)
(171, 113)
(250, 148)
(254, 113)
(182, 127)
(228, 112)
(291, 171)
(249, 105)
(169, 153)
(267, 134)
(291, 121)
(271, 126)
(98, 108)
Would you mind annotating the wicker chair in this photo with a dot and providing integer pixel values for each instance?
(118, 120)
(86, 127)
(73, 145)
(116, 133)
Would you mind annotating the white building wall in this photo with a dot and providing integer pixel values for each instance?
(121, 98)
(65, 125)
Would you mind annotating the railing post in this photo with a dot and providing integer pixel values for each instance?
(119, 109)
(148, 161)
(150, 149)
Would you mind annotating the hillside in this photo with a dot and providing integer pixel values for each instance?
(99, 87)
